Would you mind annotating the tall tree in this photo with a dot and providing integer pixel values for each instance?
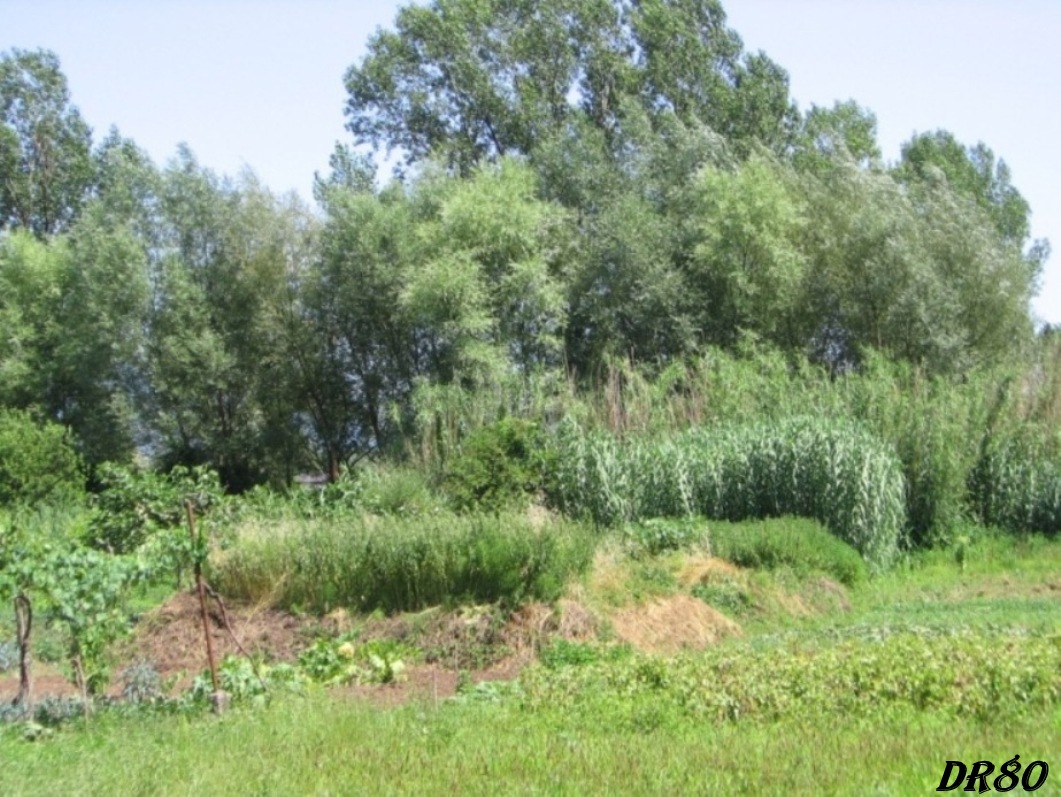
(71, 317)
(219, 389)
(973, 172)
(918, 271)
(474, 80)
(829, 137)
(45, 146)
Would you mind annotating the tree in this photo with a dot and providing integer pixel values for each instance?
(748, 271)
(972, 172)
(692, 64)
(220, 392)
(72, 311)
(918, 272)
(45, 146)
(830, 136)
(475, 80)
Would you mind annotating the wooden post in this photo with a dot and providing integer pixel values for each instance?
(24, 623)
(218, 696)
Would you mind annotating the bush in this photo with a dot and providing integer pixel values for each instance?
(499, 466)
(133, 504)
(38, 463)
(399, 564)
(660, 535)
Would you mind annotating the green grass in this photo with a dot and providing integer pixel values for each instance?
(327, 746)
(402, 563)
(1006, 581)
(930, 662)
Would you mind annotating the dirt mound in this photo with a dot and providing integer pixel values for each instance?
(669, 625)
(535, 622)
(171, 637)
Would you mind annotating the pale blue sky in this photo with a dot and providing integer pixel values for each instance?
(258, 83)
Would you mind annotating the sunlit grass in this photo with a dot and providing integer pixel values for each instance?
(327, 746)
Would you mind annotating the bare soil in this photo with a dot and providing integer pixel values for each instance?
(477, 641)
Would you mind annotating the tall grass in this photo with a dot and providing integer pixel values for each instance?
(829, 470)
(399, 563)
(940, 428)
(1017, 486)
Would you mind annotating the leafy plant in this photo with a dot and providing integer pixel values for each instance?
(331, 661)
(132, 505)
(248, 682)
(660, 535)
(38, 461)
(141, 682)
(499, 465)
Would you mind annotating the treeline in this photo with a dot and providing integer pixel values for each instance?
(583, 184)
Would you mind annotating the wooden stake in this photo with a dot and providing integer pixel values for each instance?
(217, 697)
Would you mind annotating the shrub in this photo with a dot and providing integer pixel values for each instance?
(133, 504)
(498, 467)
(38, 463)
(660, 535)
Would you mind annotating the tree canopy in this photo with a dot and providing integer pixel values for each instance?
(581, 180)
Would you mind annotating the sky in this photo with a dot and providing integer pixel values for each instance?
(258, 83)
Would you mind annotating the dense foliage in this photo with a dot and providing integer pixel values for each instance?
(834, 472)
(582, 183)
(37, 461)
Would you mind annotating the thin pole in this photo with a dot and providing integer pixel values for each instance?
(202, 611)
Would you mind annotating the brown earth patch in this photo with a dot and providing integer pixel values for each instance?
(480, 641)
(669, 625)
(171, 636)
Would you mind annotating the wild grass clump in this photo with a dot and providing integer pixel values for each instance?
(829, 470)
(395, 563)
(800, 544)
(803, 545)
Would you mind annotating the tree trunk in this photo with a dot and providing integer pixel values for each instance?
(24, 625)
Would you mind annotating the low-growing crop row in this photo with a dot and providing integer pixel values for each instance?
(980, 674)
